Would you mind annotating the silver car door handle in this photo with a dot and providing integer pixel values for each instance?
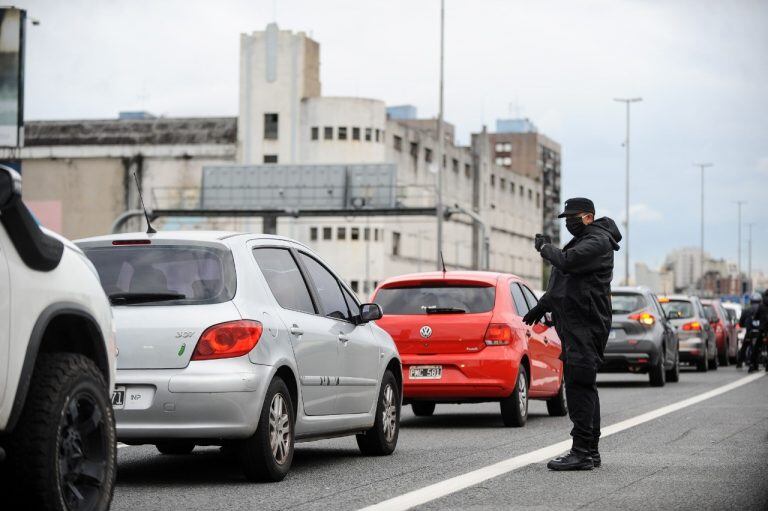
(295, 330)
(343, 338)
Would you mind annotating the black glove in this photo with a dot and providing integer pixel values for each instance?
(534, 315)
(540, 240)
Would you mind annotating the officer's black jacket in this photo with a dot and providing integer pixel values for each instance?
(579, 291)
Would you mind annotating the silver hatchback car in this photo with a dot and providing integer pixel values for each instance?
(243, 340)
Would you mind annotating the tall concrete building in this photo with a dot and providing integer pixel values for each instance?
(518, 145)
(78, 173)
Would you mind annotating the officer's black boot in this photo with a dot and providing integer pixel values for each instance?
(596, 461)
(576, 459)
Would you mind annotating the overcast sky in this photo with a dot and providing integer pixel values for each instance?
(700, 66)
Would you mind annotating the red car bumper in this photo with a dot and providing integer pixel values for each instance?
(489, 374)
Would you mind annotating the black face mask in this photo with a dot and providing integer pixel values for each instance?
(575, 225)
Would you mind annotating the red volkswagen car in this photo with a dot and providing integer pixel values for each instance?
(462, 339)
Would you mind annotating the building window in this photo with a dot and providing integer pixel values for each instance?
(414, 150)
(368, 132)
(378, 133)
(493, 179)
(507, 161)
(376, 234)
(538, 200)
(313, 234)
(467, 170)
(270, 158)
(356, 133)
(499, 147)
(428, 155)
(354, 233)
(383, 139)
(522, 190)
(342, 132)
(367, 234)
(456, 165)
(341, 233)
(328, 133)
(270, 126)
(395, 243)
(355, 285)
(499, 160)
(327, 233)
(445, 160)
(315, 132)
(398, 141)
(530, 194)
(503, 183)
(512, 187)
(507, 148)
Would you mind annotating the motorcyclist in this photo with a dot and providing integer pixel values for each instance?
(755, 320)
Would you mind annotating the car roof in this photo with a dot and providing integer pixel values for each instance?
(486, 277)
(679, 297)
(187, 236)
(631, 289)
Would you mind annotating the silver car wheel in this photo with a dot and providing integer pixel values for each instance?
(279, 429)
(389, 413)
(522, 393)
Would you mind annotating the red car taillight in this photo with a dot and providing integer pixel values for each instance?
(693, 325)
(643, 318)
(228, 340)
(498, 334)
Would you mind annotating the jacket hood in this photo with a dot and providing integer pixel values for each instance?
(608, 226)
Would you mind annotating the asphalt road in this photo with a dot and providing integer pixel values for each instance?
(711, 455)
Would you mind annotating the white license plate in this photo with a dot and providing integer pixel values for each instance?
(426, 372)
(133, 397)
(118, 397)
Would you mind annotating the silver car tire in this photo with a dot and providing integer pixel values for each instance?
(267, 455)
(381, 439)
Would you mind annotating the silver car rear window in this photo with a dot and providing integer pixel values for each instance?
(624, 303)
(678, 309)
(417, 300)
(201, 274)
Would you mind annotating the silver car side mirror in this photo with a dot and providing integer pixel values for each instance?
(370, 312)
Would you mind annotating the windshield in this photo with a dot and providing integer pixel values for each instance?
(165, 274)
(678, 309)
(436, 299)
(624, 303)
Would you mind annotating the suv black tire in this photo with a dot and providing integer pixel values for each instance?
(713, 361)
(423, 408)
(702, 365)
(377, 441)
(657, 374)
(558, 406)
(510, 406)
(66, 389)
(673, 375)
(256, 456)
(175, 447)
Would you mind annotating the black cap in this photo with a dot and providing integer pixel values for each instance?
(577, 205)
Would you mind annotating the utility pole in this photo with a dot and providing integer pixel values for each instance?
(739, 203)
(702, 166)
(627, 101)
(439, 150)
(749, 257)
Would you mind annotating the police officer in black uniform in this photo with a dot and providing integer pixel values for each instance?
(579, 297)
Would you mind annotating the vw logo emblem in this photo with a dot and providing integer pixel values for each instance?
(425, 332)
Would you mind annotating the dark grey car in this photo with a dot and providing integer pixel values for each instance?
(642, 340)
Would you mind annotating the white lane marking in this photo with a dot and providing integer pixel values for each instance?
(458, 483)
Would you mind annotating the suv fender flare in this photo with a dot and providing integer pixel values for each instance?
(33, 348)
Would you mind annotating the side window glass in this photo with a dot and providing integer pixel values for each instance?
(332, 301)
(284, 279)
(530, 297)
(352, 305)
(519, 299)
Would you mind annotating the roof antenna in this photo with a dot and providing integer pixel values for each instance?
(150, 230)
(442, 261)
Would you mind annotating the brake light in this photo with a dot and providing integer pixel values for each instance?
(498, 334)
(693, 325)
(228, 340)
(131, 242)
(644, 318)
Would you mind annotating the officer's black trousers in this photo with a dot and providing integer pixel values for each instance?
(583, 405)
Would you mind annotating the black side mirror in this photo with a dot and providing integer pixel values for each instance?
(10, 187)
(370, 312)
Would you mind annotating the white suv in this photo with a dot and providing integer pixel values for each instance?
(57, 366)
(243, 340)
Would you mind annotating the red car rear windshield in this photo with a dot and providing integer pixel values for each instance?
(443, 299)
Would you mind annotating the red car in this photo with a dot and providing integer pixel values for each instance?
(462, 339)
(725, 338)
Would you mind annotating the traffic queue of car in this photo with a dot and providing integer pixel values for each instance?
(252, 342)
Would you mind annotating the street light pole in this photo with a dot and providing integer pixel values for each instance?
(627, 101)
(701, 250)
(439, 150)
(749, 257)
(739, 203)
